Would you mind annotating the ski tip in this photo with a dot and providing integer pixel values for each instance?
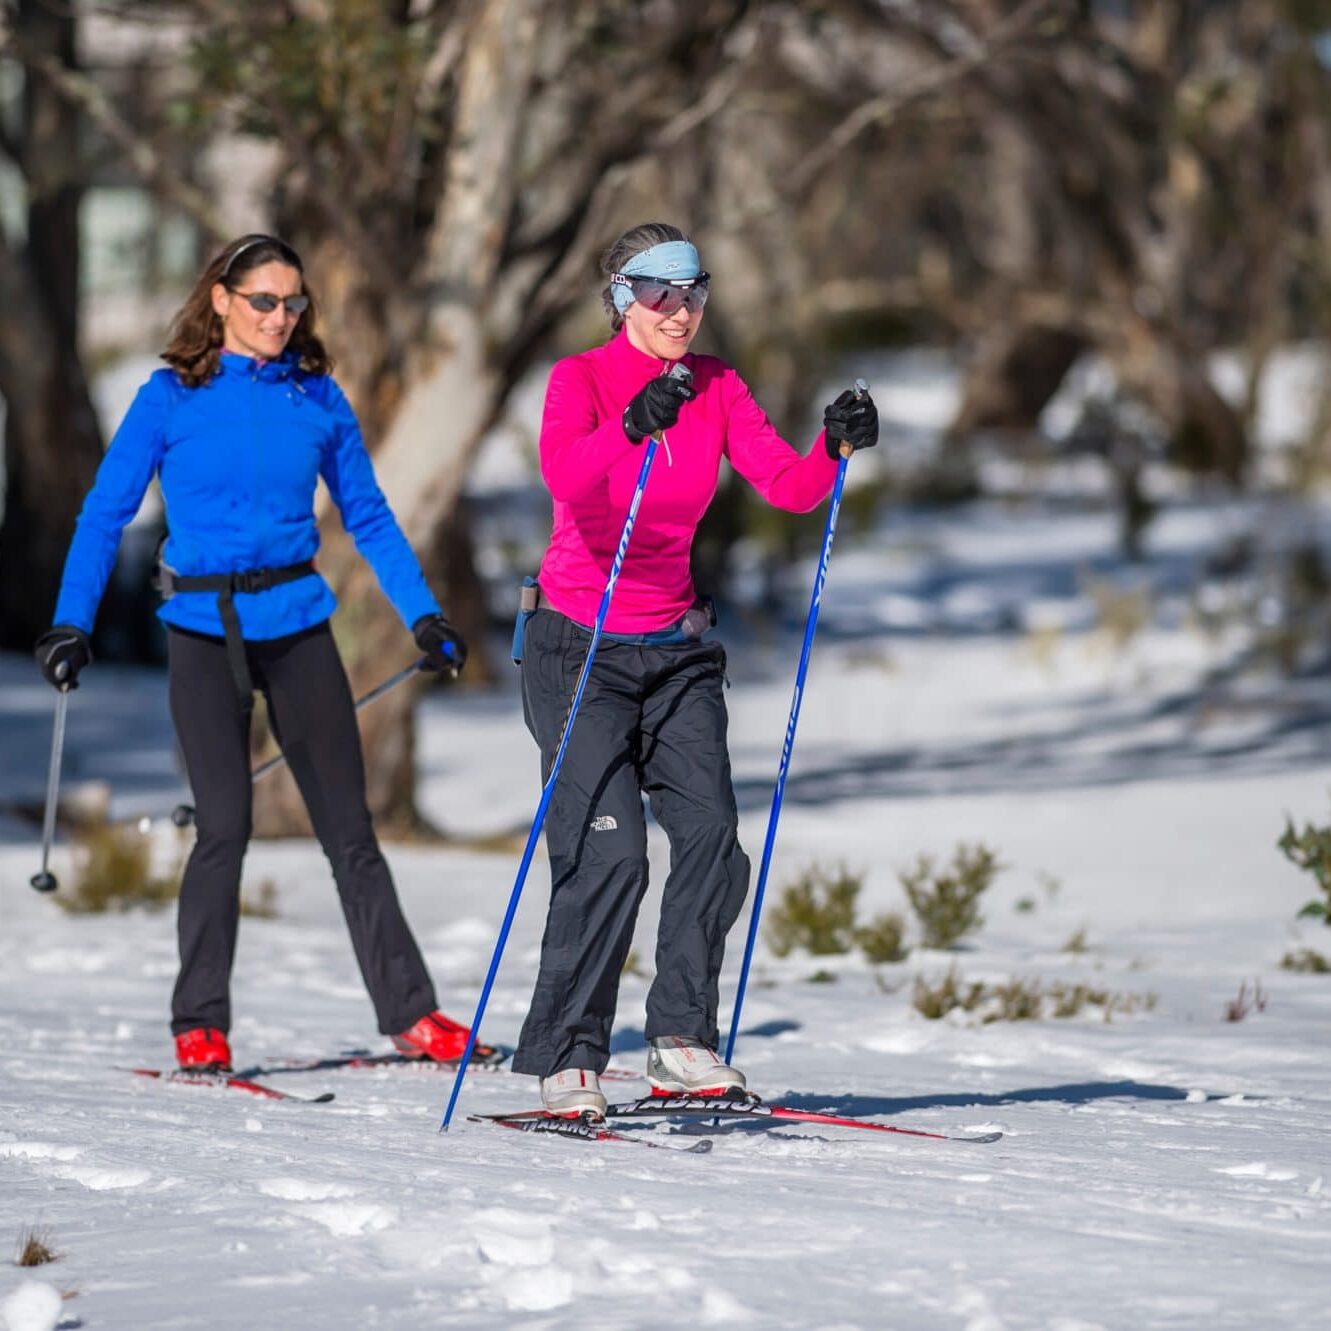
(980, 1138)
(326, 1098)
(700, 1147)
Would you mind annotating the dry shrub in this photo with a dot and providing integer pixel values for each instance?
(1310, 850)
(1305, 962)
(113, 872)
(946, 902)
(938, 999)
(1246, 1001)
(35, 1247)
(262, 903)
(883, 939)
(817, 913)
(1022, 1000)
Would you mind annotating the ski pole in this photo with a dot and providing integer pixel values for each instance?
(810, 625)
(183, 814)
(45, 881)
(677, 371)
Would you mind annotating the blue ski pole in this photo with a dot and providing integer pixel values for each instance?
(677, 371)
(810, 625)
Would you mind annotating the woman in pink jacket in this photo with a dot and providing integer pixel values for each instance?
(653, 718)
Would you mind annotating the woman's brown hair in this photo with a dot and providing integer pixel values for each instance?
(633, 241)
(195, 347)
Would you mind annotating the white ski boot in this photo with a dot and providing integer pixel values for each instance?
(573, 1091)
(678, 1064)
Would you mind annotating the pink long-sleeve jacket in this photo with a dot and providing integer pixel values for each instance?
(592, 470)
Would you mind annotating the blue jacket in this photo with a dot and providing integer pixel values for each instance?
(239, 458)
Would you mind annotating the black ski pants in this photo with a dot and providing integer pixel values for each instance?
(652, 719)
(313, 718)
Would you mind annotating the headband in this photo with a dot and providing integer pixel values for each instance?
(671, 261)
(249, 245)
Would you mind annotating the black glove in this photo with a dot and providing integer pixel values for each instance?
(850, 420)
(61, 653)
(441, 643)
(656, 407)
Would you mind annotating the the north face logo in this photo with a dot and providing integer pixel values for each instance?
(605, 823)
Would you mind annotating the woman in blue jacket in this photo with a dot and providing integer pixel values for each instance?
(239, 429)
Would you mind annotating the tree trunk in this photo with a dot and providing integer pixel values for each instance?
(1017, 370)
(53, 443)
(454, 388)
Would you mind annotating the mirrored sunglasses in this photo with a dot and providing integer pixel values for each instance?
(662, 296)
(265, 303)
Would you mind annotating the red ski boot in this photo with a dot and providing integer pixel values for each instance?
(440, 1040)
(203, 1050)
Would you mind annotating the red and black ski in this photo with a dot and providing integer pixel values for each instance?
(694, 1106)
(752, 1110)
(231, 1080)
(584, 1129)
(484, 1058)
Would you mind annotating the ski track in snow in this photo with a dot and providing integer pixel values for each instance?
(1162, 1171)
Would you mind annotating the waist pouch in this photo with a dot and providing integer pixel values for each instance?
(226, 585)
(689, 627)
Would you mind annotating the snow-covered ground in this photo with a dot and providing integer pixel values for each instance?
(1166, 1169)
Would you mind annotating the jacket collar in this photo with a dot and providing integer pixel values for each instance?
(251, 367)
(625, 359)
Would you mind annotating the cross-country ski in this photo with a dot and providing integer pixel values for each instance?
(722, 1109)
(229, 1081)
(483, 1059)
(586, 1130)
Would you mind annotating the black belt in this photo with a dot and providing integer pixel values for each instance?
(226, 585)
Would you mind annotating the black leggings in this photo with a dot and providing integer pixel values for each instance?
(313, 718)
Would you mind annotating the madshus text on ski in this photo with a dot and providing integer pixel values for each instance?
(632, 437)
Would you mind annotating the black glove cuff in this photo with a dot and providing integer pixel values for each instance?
(634, 436)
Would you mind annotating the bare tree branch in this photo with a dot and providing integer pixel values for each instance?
(883, 107)
(321, 188)
(142, 156)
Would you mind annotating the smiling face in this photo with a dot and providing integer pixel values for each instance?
(250, 332)
(666, 336)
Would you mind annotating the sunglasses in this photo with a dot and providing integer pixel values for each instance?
(264, 303)
(662, 296)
